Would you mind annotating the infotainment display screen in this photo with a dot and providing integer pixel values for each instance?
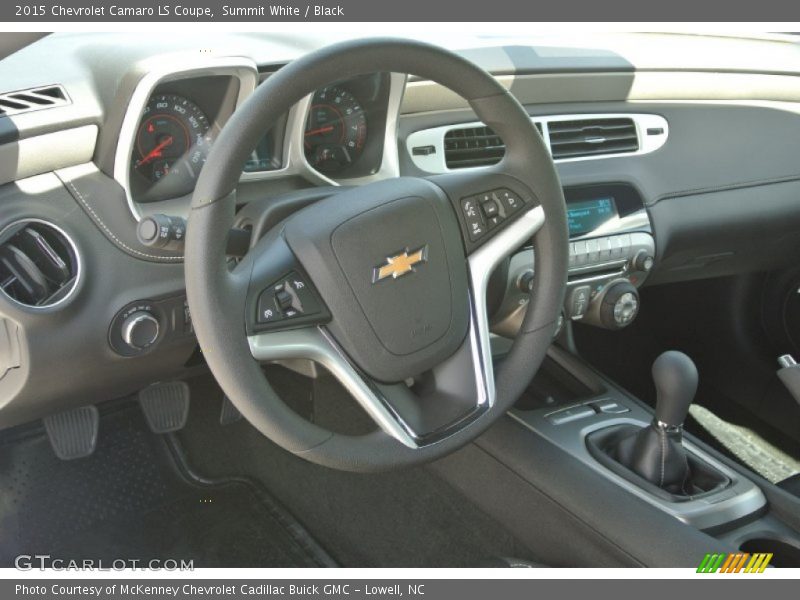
(586, 216)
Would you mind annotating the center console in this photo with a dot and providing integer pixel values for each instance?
(590, 418)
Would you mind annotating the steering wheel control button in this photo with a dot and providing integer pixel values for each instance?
(567, 415)
(473, 216)
(490, 208)
(579, 301)
(287, 298)
(510, 200)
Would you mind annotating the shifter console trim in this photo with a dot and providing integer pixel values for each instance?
(739, 499)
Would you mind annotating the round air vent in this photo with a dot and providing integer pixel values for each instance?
(39, 264)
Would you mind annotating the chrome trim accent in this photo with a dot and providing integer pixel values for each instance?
(481, 264)
(165, 69)
(78, 266)
(294, 157)
(317, 345)
(435, 162)
(390, 161)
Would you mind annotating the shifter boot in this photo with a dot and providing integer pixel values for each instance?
(656, 454)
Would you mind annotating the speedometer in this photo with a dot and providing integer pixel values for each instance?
(336, 130)
(171, 144)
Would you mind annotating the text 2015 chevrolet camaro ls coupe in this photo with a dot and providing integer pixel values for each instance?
(270, 300)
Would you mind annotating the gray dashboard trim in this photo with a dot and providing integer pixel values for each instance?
(45, 153)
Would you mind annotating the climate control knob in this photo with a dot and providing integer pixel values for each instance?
(619, 306)
(140, 330)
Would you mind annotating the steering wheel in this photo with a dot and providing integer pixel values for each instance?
(384, 283)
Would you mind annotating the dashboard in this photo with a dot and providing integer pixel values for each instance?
(671, 172)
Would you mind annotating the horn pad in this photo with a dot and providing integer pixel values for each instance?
(391, 267)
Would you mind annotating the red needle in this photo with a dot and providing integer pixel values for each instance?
(156, 152)
(325, 129)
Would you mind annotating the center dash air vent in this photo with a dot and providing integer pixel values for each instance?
(588, 137)
(39, 264)
(14, 103)
(472, 147)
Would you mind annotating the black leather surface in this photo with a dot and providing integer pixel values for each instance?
(658, 457)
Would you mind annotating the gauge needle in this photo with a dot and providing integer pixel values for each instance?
(326, 129)
(156, 152)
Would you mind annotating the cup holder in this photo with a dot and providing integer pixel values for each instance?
(784, 554)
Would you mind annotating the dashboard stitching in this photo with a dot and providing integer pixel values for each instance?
(114, 238)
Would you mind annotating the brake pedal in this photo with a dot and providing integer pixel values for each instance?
(229, 413)
(73, 434)
(165, 406)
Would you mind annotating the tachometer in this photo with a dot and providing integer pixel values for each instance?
(336, 130)
(171, 144)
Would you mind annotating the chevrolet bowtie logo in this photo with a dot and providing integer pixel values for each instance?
(400, 264)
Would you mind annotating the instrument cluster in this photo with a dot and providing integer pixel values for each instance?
(181, 121)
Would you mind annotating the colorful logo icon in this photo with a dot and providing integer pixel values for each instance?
(738, 562)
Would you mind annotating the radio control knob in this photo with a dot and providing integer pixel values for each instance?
(140, 330)
(642, 261)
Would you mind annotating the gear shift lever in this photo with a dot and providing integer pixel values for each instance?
(675, 377)
(655, 452)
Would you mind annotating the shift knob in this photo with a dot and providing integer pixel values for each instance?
(675, 377)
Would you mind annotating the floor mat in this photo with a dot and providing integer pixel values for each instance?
(750, 448)
(135, 498)
(402, 518)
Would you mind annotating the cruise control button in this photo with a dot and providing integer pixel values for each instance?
(288, 297)
(495, 221)
(283, 299)
(267, 311)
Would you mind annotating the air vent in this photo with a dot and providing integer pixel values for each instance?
(39, 264)
(472, 147)
(14, 103)
(589, 137)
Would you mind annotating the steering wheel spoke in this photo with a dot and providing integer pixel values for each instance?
(416, 412)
